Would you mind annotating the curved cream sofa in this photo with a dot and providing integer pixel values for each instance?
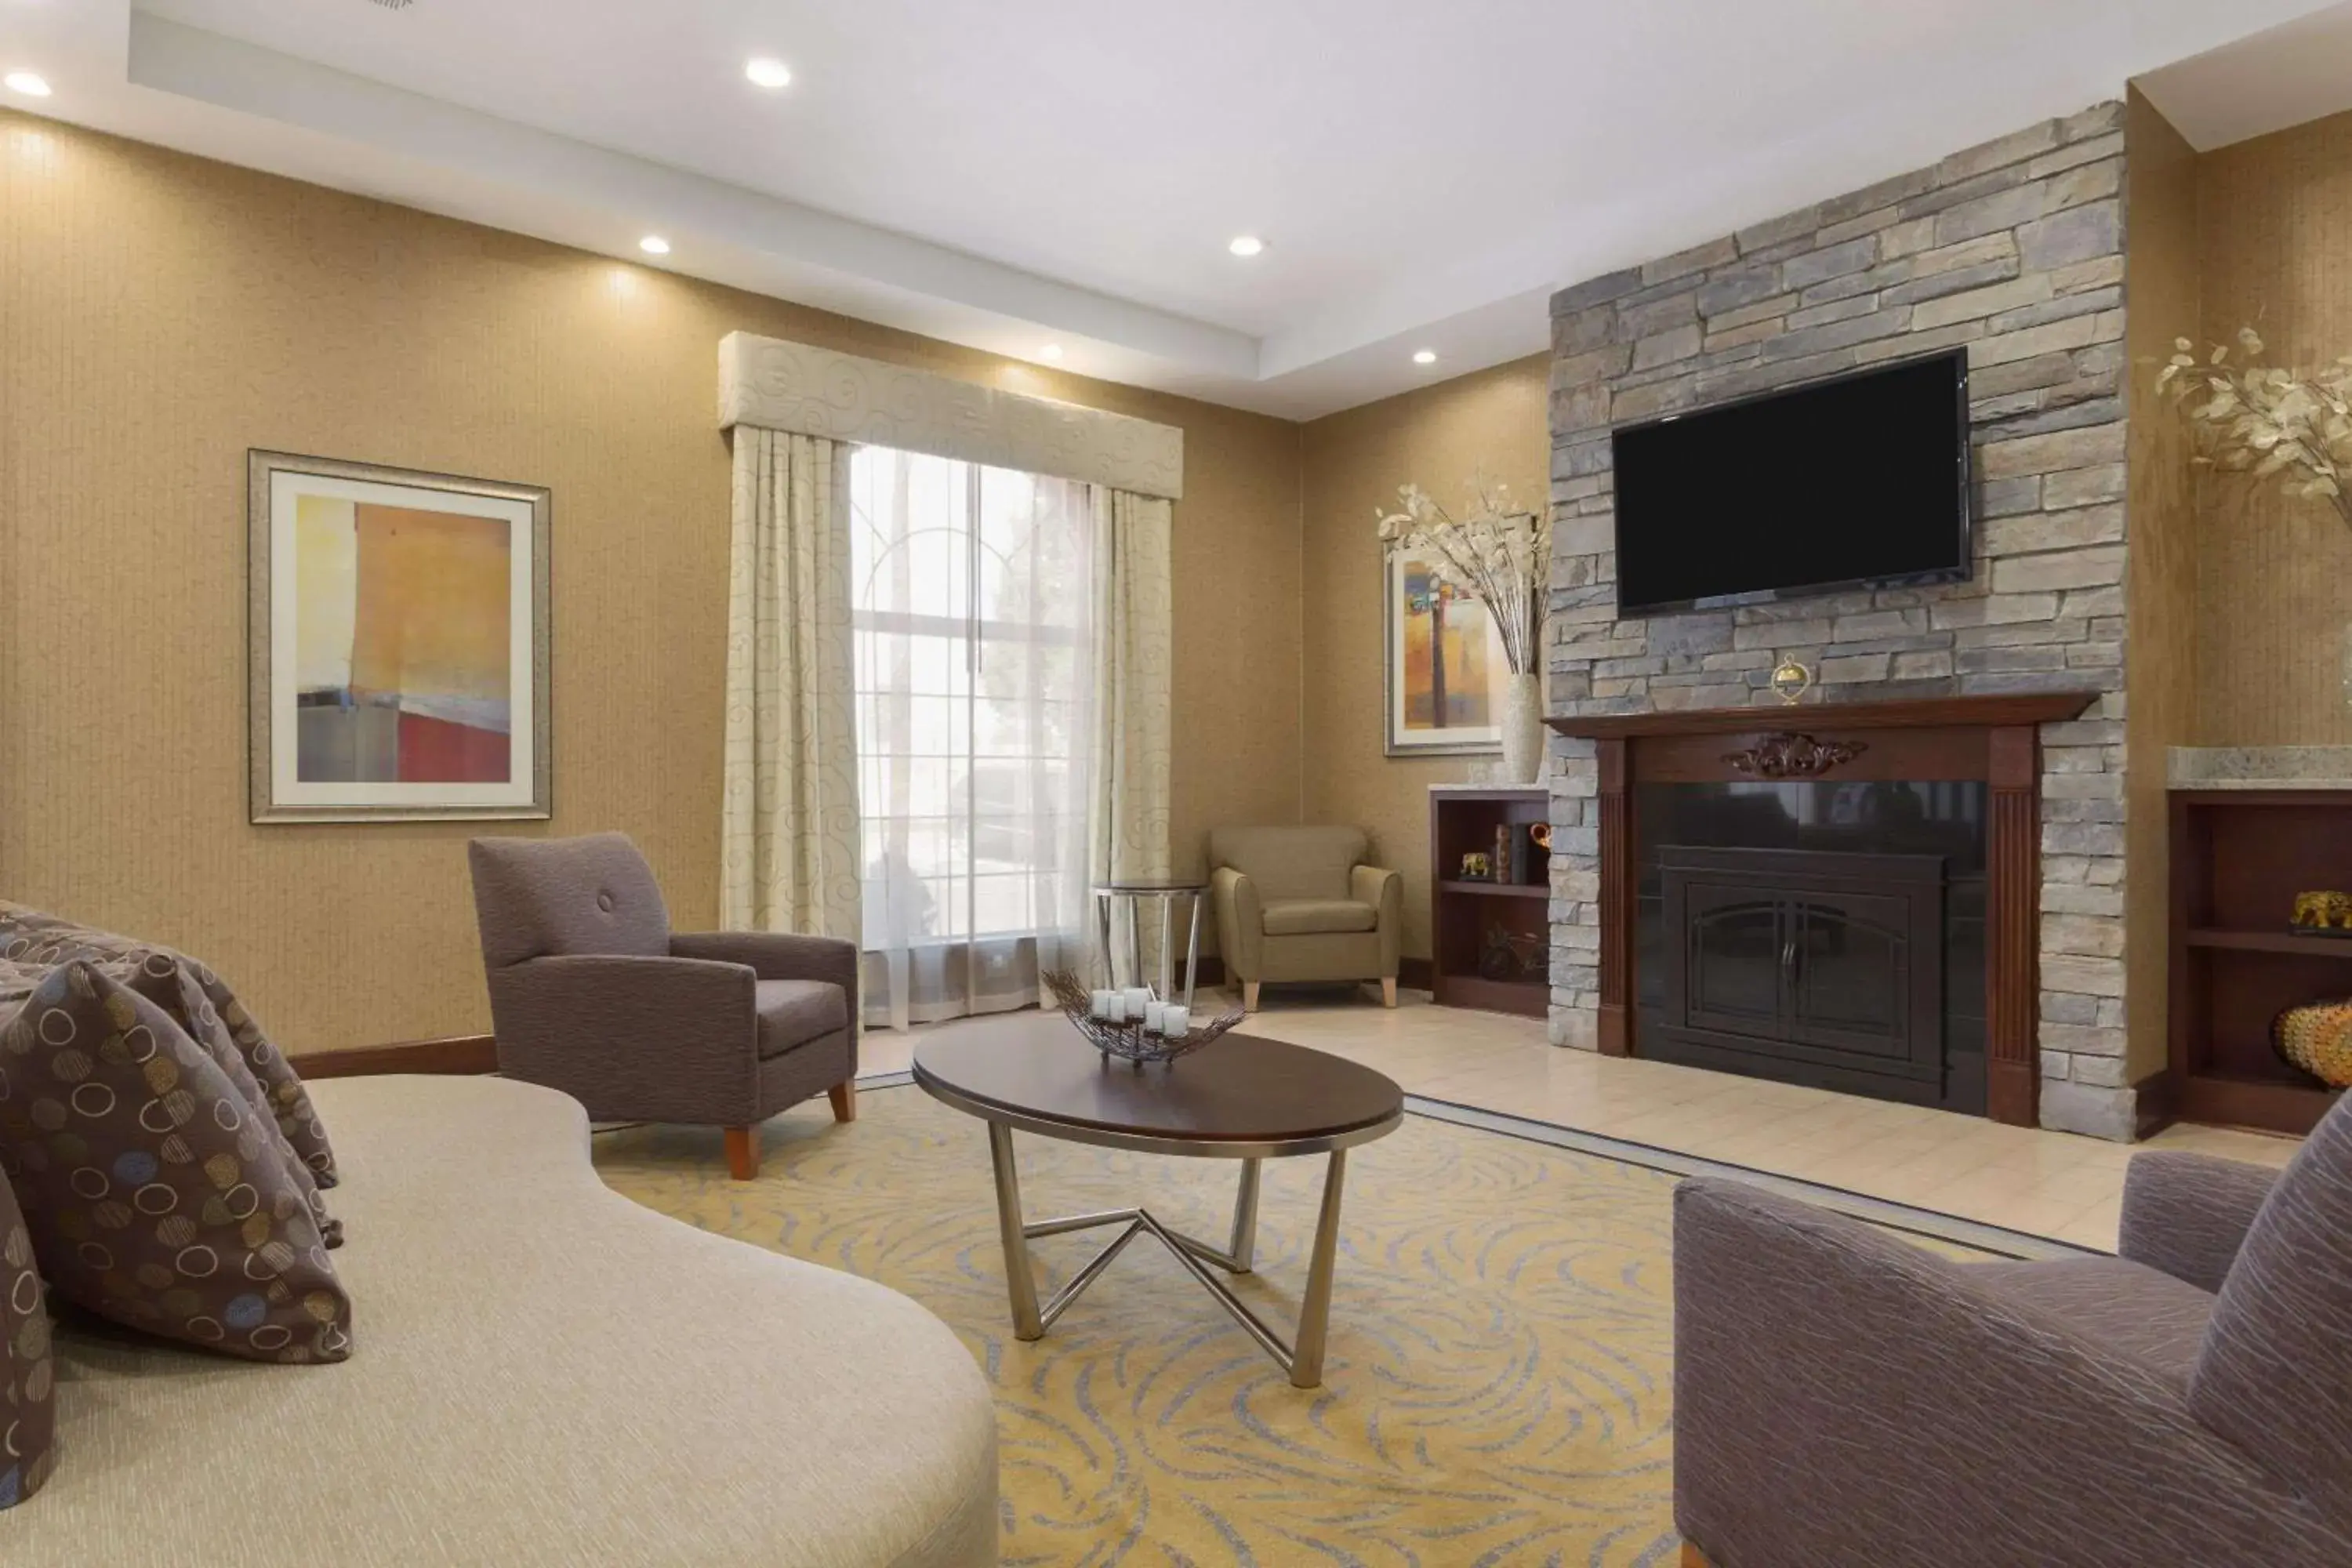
(545, 1373)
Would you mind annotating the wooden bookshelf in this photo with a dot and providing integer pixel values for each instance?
(1465, 915)
(2239, 857)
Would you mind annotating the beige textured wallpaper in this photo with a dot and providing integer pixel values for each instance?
(1435, 436)
(2161, 262)
(159, 314)
(2275, 219)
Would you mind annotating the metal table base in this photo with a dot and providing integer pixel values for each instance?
(1302, 1360)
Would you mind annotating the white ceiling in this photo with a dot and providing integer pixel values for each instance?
(1020, 172)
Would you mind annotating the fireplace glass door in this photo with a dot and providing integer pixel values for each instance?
(1801, 961)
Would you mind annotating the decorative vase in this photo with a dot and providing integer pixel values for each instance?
(1523, 728)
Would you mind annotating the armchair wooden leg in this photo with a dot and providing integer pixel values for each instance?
(1693, 1557)
(1249, 996)
(743, 1153)
(1388, 992)
(845, 1100)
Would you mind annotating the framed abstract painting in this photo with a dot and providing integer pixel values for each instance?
(1444, 666)
(399, 627)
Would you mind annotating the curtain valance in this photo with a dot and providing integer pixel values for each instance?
(793, 387)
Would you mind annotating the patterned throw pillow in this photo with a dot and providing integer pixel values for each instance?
(176, 984)
(169, 981)
(27, 1414)
(28, 936)
(154, 1193)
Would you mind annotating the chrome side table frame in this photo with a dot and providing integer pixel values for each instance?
(1302, 1360)
(1107, 894)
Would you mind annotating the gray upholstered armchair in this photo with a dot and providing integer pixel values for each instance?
(1300, 903)
(593, 994)
(1842, 1397)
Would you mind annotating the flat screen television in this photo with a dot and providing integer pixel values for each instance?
(1858, 480)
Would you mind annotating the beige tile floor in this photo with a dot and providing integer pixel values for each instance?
(2046, 1184)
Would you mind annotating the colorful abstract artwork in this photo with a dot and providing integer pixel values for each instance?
(404, 655)
(1444, 658)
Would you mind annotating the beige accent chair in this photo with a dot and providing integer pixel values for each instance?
(1300, 903)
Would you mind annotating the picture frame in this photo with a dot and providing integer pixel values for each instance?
(398, 632)
(1427, 711)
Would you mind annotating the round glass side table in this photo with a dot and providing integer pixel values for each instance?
(1137, 891)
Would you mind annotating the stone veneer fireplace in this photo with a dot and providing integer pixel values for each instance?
(2015, 250)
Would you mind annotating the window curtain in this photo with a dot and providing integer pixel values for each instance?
(797, 850)
(789, 836)
(1129, 831)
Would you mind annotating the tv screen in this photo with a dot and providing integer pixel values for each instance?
(1859, 479)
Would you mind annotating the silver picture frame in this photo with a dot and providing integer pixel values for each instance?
(279, 794)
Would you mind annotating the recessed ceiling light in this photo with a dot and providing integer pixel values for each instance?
(1050, 352)
(1246, 245)
(31, 84)
(654, 245)
(765, 72)
(1424, 356)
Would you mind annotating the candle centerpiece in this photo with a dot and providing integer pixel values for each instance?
(1131, 1023)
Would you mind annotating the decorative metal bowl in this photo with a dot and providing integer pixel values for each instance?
(1128, 1042)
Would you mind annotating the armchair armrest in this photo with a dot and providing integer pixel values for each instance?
(1843, 1396)
(2187, 1214)
(1241, 922)
(777, 955)
(1384, 890)
(633, 1038)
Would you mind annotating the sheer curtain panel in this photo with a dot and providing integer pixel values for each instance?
(974, 608)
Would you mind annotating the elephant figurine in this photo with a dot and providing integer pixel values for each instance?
(2324, 911)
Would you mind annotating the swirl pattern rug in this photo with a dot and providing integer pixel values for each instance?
(1498, 1387)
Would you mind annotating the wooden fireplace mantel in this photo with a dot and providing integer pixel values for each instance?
(1995, 737)
(1992, 711)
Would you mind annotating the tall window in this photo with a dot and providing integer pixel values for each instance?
(974, 623)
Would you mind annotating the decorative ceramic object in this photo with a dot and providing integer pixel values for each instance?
(2323, 914)
(2318, 1039)
(1523, 728)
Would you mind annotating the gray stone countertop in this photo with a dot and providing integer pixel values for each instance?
(2259, 767)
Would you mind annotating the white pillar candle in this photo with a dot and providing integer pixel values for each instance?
(1098, 1003)
(1176, 1020)
(1137, 998)
(1151, 1015)
(1114, 1007)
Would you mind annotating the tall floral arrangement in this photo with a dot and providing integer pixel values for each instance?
(1496, 553)
(2258, 419)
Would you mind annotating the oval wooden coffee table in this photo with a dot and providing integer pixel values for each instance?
(1241, 1098)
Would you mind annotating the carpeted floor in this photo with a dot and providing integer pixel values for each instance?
(1497, 1389)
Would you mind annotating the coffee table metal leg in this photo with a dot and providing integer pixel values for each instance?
(1019, 1282)
(1245, 1218)
(1302, 1360)
(1315, 1311)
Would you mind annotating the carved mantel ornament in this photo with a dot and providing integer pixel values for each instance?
(1787, 755)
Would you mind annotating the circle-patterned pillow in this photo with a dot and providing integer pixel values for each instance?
(30, 935)
(27, 1414)
(154, 1193)
(174, 983)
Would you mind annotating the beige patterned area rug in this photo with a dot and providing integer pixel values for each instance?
(1497, 1389)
